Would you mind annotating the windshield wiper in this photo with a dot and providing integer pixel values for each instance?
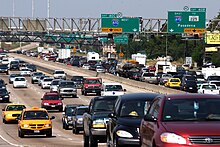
(130, 116)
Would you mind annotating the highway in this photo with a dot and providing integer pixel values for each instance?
(31, 96)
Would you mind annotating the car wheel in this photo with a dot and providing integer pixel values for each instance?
(86, 140)
(49, 133)
(4, 121)
(66, 127)
(92, 142)
(73, 130)
(63, 126)
(82, 92)
(115, 143)
(32, 82)
(76, 130)
(20, 133)
(61, 109)
(85, 93)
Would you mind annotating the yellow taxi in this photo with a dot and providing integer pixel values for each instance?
(173, 83)
(11, 111)
(35, 121)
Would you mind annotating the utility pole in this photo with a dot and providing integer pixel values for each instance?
(48, 9)
(32, 9)
(13, 8)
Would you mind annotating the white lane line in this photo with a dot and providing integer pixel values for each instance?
(9, 141)
(69, 138)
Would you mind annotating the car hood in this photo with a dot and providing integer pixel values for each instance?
(129, 121)
(192, 128)
(12, 112)
(51, 101)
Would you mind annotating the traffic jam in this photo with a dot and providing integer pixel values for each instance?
(112, 113)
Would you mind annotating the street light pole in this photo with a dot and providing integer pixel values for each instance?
(32, 8)
(48, 9)
(13, 8)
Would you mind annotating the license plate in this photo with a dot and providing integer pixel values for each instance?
(52, 105)
(36, 131)
(93, 91)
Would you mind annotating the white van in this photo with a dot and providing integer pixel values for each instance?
(111, 89)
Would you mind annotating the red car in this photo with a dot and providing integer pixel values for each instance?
(182, 120)
(52, 101)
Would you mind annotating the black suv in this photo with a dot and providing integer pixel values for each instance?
(95, 120)
(68, 114)
(2, 84)
(14, 65)
(4, 68)
(188, 84)
(78, 81)
(4, 95)
(124, 122)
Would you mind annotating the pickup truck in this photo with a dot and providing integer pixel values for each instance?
(91, 85)
(95, 120)
(208, 89)
(149, 78)
(67, 88)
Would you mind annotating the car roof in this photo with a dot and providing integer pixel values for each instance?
(91, 78)
(35, 109)
(15, 105)
(105, 97)
(189, 96)
(51, 93)
(82, 107)
(73, 105)
(138, 96)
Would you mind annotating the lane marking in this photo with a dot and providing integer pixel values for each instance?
(9, 142)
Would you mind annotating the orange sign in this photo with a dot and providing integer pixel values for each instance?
(194, 30)
(121, 54)
(74, 50)
(114, 30)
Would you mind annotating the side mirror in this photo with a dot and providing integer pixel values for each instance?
(125, 90)
(149, 117)
(18, 117)
(41, 98)
(6, 84)
(3, 109)
(52, 117)
(111, 115)
(9, 92)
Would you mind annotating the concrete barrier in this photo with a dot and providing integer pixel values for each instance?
(105, 76)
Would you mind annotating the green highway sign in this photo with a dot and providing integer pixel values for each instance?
(121, 39)
(186, 21)
(109, 15)
(198, 9)
(120, 25)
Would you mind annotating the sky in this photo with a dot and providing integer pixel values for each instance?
(94, 8)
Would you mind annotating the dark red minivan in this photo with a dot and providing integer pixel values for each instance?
(182, 120)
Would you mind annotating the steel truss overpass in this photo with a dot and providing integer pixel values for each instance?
(71, 30)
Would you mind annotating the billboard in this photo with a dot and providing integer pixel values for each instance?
(213, 38)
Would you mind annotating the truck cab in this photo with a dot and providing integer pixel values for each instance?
(91, 85)
(111, 89)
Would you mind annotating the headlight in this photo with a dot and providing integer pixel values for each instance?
(6, 96)
(8, 114)
(46, 104)
(99, 123)
(79, 120)
(25, 125)
(69, 118)
(47, 125)
(172, 138)
(122, 133)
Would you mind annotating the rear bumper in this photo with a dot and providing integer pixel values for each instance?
(53, 107)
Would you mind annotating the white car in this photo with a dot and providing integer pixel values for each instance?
(20, 82)
(5, 61)
(25, 72)
(85, 66)
(100, 69)
(111, 89)
(54, 85)
(46, 82)
(59, 74)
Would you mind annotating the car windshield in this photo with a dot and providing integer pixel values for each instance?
(48, 80)
(51, 97)
(209, 86)
(191, 78)
(55, 82)
(217, 78)
(69, 111)
(29, 115)
(200, 76)
(217, 83)
(103, 105)
(81, 111)
(113, 88)
(191, 110)
(38, 74)
(15, 108)
(14, 75)
(133, 109)
(59, 72)
(174, 80)
(24, 69)
(148, 74)
(3, 91)
(77, 79)
(92, 81)
(66, 83)
(19, 79)
(2, 82)
(4, 66)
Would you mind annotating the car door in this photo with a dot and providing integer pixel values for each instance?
(148, 129)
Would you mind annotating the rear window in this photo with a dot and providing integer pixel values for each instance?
(15, 108)
(103, 105)
(81, 111)
(51, 97)
(113, 88)
(202, 109)
(59, 72)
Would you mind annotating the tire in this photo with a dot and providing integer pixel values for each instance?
(76, 130)
(86, 140)
(32, 82)
(20, 134)
(61, 109)
(66, 127)
(4, 121)
(63, 126)
(92, 142)
(85, 93)
(82, 92)
(49, 133)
